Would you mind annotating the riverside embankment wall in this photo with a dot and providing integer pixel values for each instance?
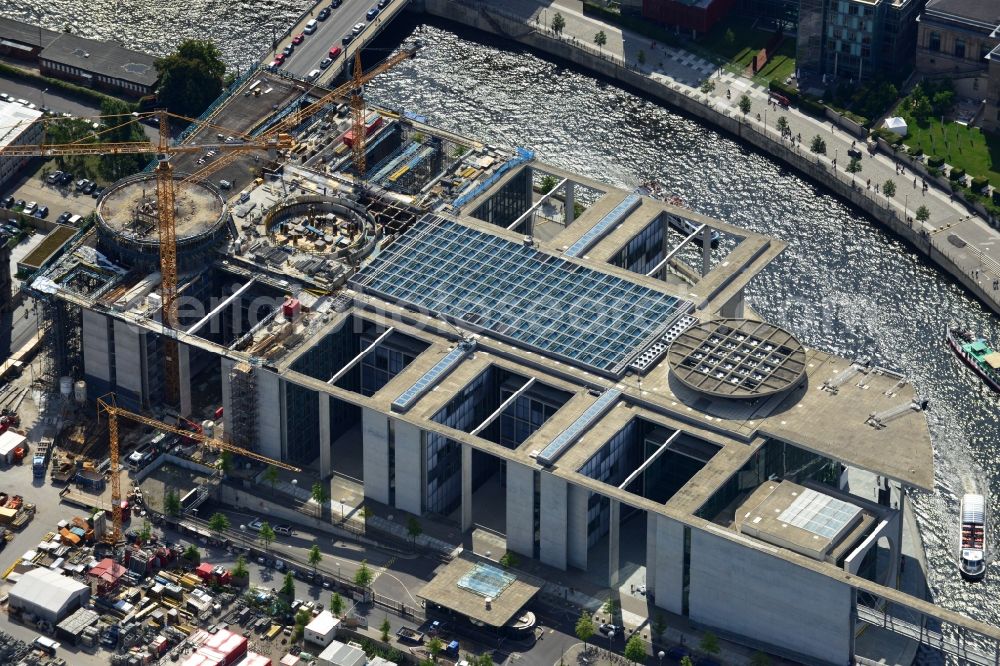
(474, 15)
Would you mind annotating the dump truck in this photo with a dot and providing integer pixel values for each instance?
(40, 461)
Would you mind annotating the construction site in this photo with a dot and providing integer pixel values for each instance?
(324, 294)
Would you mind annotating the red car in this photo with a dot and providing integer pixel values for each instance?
(298, 39)
(335, 51)
(279, 59)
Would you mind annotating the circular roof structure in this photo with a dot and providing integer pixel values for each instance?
(129, 208)
(737, 358)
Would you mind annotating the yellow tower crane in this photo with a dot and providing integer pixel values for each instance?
(107, 405)
(166, 221)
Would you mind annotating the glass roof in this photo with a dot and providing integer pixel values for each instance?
(517, 293)
(819, 514)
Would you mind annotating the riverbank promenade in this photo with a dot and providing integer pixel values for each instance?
(967, 240)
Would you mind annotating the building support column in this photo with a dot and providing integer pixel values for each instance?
(237, 317)
(325, 452)
(570, 197)
(466, 487)
(614, 519)
(706, 250)
(733, 308)
(184, 377)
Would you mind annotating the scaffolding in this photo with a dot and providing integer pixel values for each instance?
(242, 415)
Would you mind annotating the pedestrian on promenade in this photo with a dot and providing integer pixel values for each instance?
(914, 182)
(869, 183)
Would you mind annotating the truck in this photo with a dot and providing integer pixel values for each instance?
(407, 635)
(40, 461)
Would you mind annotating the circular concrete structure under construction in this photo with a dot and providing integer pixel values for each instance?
(329, 227)
(128, 230)
(737, 358)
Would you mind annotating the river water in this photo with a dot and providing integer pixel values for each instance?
(843, 284)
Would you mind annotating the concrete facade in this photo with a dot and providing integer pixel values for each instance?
(375, 429)
(410, 458)
(728, 578)
(954, 38)
(665, 562)
(270, 410)
(552, 521)
(520, 509)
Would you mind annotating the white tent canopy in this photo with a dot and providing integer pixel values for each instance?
(896, 124)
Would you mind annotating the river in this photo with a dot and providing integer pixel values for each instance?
(843, 284)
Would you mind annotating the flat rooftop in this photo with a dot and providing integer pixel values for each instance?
(130, 209)
(466, 582)
(106, 58)
(14, 120)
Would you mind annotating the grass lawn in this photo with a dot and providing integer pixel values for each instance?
(965, 147)
(747, 41)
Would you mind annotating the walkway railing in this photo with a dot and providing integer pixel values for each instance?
(977, 649)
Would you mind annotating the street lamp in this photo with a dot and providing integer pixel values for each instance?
(611, 641)
(338, 571)
(660, 655)
(243, 531)
(343, 504)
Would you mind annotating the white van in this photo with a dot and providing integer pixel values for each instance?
(311, 27)
(225, 184)
(74, 220)
(313, 75)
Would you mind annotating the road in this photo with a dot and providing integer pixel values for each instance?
(330, 32)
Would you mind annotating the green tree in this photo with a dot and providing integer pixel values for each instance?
(302, 618)
(363, 577)
(709, 643)
(365, 512)
(336, 604)
(509, 560)
(729, 37)
(435, 646)
(122, 127)
(635, 649)
(853, 167)
(760, 659)
(385, 628)
(942, 102)
(548, 184)
(190, 77)
(288, 586)
(558, 23)
(218, 523)
(686, 661)
(266, 535)
(611, 607)
(783, 125)
(225, 462)
(659, 625)
(641, 57)
(818, 145)
(240, 570)
(600, 39)
(315, 557)
(413, 528)
(585, 628)
(271, 476)
(745, 104)
(319, 493)
(889, 189)
(171, 503)
(192, 554)
(146, 533)
(923, 214)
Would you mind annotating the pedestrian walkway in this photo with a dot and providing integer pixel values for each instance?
(950, 230)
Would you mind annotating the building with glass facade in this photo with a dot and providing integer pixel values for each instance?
(857, 39)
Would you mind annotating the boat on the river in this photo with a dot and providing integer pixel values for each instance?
(972, 549)
(655, 190)
(976, 353)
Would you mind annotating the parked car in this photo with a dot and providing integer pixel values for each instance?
(30, 207)
(335, 51)
(66, 178)
(310, 27)
(82, 183)
(313, 75)
(284, 529)
(606, 628)
(288, 50)
(335, 3)
(347, 38)
(324, 63)
(7, 201)
(382, 3)
(89, 187)
(64, 217)
(53, 177)
(324, 14)
(358, 27)
(98, 190)
(372, 13)
(279, 59)
(43, 212)
(298, 39)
